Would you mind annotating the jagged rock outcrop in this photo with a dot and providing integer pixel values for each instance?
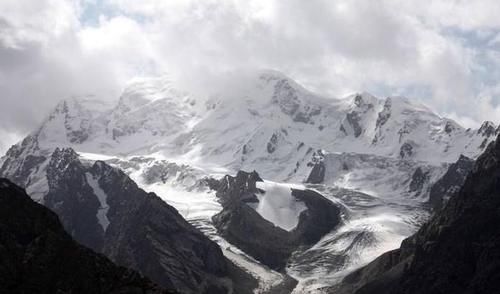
(317, 174)
(286, 96)
(38, 256)
(457, 251)
(385, 114)
(19, 170)
(487, 129)
(243, 226)
(352, 124)
(406, 150)
(450, 182)
(418, 180)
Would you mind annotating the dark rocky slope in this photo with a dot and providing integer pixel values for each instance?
(147, 234)
(449, 184)
(243, 226)
(38, 256)
(102, 208)
(457, 251)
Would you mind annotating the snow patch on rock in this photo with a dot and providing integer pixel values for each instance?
(102, 212)
(278, 206)
(39, 184)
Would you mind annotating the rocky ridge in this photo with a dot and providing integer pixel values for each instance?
(38, 256)
(104, 209)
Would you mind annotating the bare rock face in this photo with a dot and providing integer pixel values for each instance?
(289, 101)
(406, 150)
(352, 123)
(457, 251)
(382, 118)
(147, 234)
(487, 129)
(385, 114)
(271, 145)
(353, 119)
(418, 180)
(449, 184)
(72, 199)
(38, 256)
(317, 174)
(243, 226)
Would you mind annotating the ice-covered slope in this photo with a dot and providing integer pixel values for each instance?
(372, 226)
(269, 124)
(380, 176)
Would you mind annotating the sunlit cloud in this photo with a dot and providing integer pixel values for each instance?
(443, 53)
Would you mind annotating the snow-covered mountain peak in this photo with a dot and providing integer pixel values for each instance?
(362, 99)
(82, 104)
(73, 120)
(270, 78)
(141, 91)
(263, 118)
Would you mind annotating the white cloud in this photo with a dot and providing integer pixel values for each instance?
(24, 21)
(442, 52)
(7, 140)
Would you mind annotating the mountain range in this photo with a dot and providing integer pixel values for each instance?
(160, 180)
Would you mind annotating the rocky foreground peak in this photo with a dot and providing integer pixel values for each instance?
(38, 256)
(253, 230)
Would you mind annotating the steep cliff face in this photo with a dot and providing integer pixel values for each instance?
(457, 251)
(71, 196)
(38, 256)
(449, 184)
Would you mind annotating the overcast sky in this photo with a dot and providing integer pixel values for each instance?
(444, 53)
